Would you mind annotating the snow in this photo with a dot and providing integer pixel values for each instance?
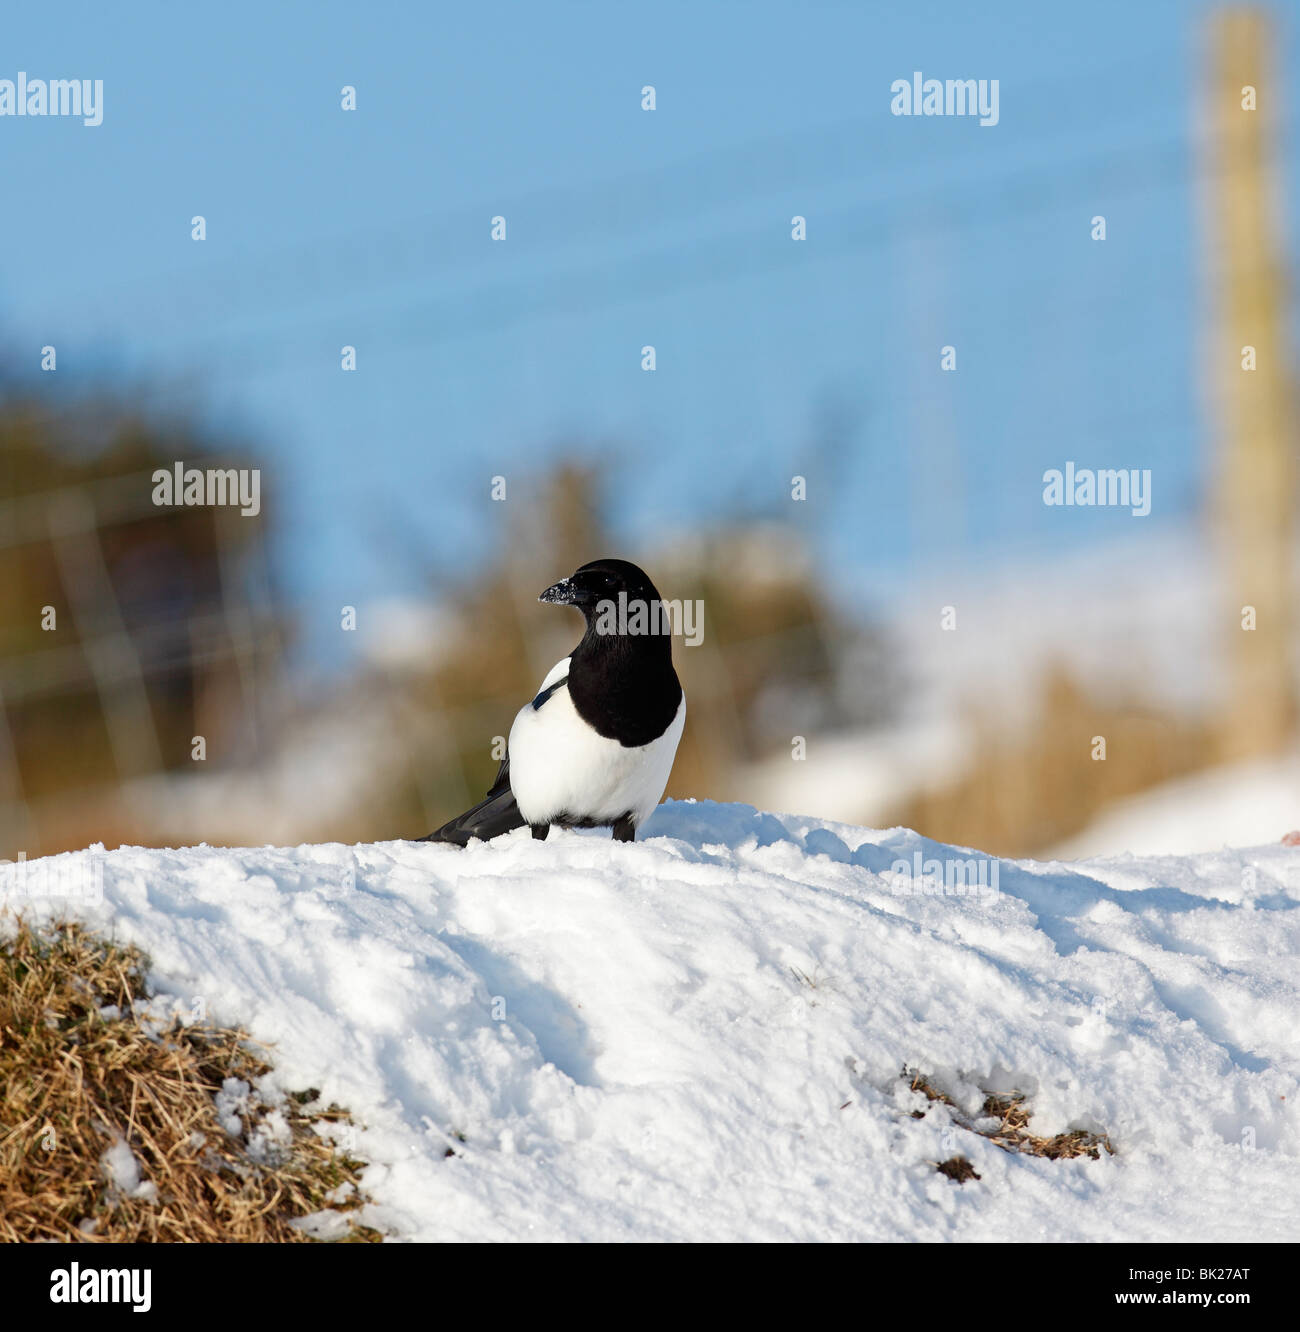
(1155, 641)
(122, 1171)
(1157, 638)
(1241, 804)
(700, 1035)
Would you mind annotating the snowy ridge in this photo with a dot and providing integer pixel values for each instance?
(700, 1035)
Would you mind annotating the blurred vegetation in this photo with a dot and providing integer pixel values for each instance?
(168, 628)
(1032, 784)
(125, 628)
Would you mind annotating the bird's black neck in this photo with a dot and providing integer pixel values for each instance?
(624, 685)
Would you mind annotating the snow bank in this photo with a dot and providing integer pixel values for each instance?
(700, 1036)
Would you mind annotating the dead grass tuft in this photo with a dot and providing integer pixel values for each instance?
(919, 1083)
(1012, 1130)
(1013, 1133)
(85, 1072)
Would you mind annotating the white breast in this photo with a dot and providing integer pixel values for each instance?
(560, 766)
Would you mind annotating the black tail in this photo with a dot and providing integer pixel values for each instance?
(495, 814)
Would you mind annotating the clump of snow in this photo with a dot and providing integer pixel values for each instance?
(271, 1139)
(700, 1035)
(326, 1225)
(122, 1171)
(232, 1105)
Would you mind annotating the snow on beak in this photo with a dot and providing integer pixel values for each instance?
(563, 593)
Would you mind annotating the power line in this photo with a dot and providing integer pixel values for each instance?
(723, 257)
(705, 178)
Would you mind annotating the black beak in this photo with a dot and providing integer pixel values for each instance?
(564, 593)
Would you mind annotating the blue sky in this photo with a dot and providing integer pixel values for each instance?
(628, 228)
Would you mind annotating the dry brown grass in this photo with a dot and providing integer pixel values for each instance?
(1012, 1130)
(75, 1080)
(1013, 1133)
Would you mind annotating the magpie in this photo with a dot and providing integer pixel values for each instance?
(595, 746)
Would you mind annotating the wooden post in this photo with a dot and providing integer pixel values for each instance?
(1254, 480)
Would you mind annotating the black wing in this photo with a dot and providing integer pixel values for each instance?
(495, 814)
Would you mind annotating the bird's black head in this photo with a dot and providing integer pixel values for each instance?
(601, 580)
(621, 678)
